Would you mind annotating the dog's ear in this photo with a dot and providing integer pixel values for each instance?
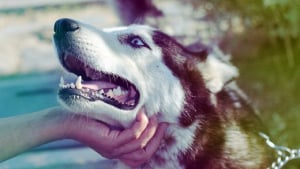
(216, 70)
(195, 57)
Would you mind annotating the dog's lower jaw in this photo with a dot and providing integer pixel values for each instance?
(102, 112)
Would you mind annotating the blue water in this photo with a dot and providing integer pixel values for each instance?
(28, 93)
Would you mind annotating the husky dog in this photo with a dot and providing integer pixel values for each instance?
(120, 70)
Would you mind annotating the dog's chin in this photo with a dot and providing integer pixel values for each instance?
(115, 116)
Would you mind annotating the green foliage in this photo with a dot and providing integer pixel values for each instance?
(284, 25)
(289, 21)
(278, 21)
(286, 17)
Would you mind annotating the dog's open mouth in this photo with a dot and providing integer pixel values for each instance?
(93, 85)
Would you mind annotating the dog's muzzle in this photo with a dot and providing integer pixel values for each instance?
(91, 84)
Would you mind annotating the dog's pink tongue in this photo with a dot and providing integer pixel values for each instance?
(98, 85)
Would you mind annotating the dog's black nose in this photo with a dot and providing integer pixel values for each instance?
(65, 25)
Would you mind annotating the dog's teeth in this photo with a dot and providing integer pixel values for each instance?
(78, 82)
(62, 82)
(124, 92)
(110, 93)
(130, 103)
(98, 94)
(114, 91)
(72, 85)
(101, 91)
(117, 91)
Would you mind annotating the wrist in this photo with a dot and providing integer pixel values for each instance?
(53, 123)
(70, 124)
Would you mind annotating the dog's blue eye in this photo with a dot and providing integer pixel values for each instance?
(137, 42)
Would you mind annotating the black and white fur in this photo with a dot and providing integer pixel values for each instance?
(211, 126)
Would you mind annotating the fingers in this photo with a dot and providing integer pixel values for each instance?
(155, 142)
(142, 155)
(135, 131)
(144, 138)
(116, 143)
(148, 133)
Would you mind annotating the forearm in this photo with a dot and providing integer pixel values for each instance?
(21, 133)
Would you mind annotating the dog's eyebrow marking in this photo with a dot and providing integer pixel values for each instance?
(130, 39)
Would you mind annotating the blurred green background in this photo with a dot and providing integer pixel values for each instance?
(263, 37)
(267, 54)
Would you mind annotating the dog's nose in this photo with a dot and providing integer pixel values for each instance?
(65, 25)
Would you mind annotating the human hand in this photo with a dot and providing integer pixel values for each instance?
(133, 146)
(145, 145)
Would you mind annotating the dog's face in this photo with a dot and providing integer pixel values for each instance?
(123, 69)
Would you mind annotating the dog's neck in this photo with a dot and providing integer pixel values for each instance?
(198, 114)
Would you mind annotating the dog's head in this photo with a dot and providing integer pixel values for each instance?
(120, 70)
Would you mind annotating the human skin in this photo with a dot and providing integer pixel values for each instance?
(134, 146)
